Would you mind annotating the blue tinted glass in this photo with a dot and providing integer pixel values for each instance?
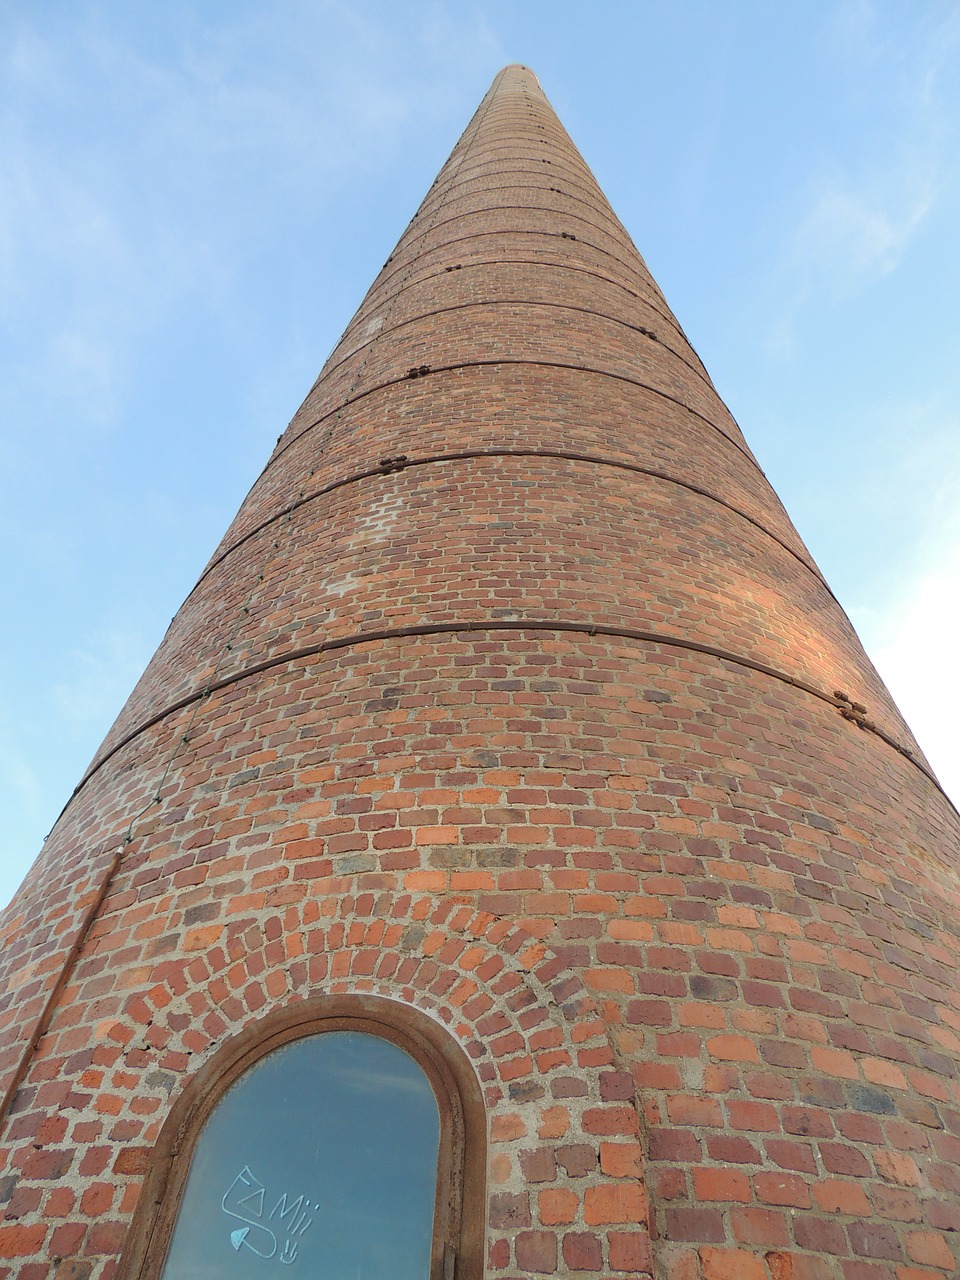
(319, 1162)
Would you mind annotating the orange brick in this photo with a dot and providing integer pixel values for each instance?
(783, 1189)
(834, 1062)
(437, 835)
(895, 1166)
(733, 1048)
(19, 1240)
(834, 1195)
(930, 1248)
(203, 938)
(879, 1071)
(694, 1110)
(731, 1264)
(557, 1205)
(507, 1127)
(614, 1202)
(722, 1184)
(621, 1159)
(609, 980)
(554, 1122)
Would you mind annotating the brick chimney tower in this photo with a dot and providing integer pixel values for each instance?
(510, 864)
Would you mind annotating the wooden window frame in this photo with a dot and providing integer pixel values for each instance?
(459, 1210)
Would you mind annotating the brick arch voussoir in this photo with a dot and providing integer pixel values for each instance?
(565, 1164)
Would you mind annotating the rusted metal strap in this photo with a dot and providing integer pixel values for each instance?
(533, 625)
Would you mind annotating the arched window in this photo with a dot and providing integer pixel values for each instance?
(337, 1140)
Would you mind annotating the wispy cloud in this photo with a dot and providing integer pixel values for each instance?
(854, 229)
(137, 187)
(856, 215)
(164, 169)
(851, 235)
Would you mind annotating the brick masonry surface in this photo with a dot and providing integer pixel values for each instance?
(511, 694)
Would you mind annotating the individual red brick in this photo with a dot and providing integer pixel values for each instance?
(610, 1120)
(733, 1048)
(67, 1238)
(732, 1150)
(897, 1167)
(621, 1159)
(582, 1251)
(898, 1203)
(614, 1202)
(860, 1128)
(536, 1251)
(721, 1184)
(757, 1117)
(793, 1155)
(95, 1160)
(539, 1165)
(839, 1158)
(24, 1202)
(724, 1264)
(874, 1240)
(47, 1164)
(820, 1235)
(509, 1210)
(793, 1266)
(17, 1240)
(631, 1251)
(557, 1205)
(498, 1254)
(97, 1199)
(833, 1195)
(931, 1249)
(673, 1145)
(782, 1188)
(759, 1226)
(73, 1269)
(808, 1122)
(615, 1085)
(691, 1110)
(577, 1160)
(694, 1224)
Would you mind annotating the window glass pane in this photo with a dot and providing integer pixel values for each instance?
(320, 1162)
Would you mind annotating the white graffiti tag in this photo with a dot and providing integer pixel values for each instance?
(246, 1199)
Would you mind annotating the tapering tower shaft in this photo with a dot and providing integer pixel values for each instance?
(512, 698)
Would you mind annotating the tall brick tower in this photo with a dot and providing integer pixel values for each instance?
(511, 730)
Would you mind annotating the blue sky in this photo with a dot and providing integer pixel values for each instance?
(195, 196)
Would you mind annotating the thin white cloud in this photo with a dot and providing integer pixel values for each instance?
(849, 236)
(855, 216)
(854, 229)
(151, 197)
(852, 29)
(153, 172)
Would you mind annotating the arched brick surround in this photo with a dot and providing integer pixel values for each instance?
(565, 1168)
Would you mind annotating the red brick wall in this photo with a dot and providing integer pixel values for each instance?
(601, 814)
